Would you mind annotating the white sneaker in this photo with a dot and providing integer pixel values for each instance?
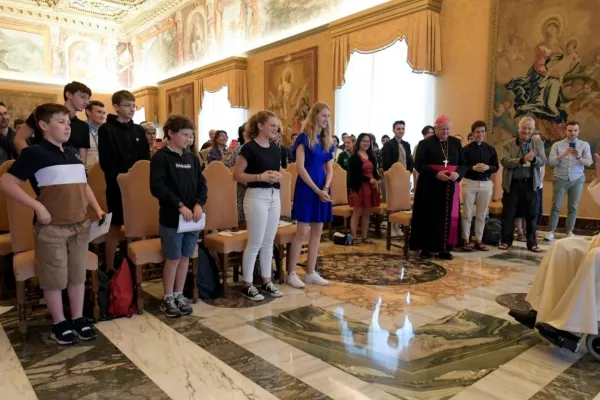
(549, 237)
(294, 281)
(316, 279)
(570, 234)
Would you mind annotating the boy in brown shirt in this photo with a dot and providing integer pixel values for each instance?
(57, 175)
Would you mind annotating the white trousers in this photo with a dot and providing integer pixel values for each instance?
(566, 289)
(262, 208)
(479, 194)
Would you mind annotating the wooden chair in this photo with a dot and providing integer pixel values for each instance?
(140, 215)
(5, 241)
(20, 219)
(285, 235)
(495, 206)
(397, 181)
(339, 197)
(221, 214)
(293, 170)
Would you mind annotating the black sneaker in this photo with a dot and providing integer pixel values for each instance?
(169, 308)
(83, 329)
(63, 333)
(271, 290)
(182, 303)
(252, 293)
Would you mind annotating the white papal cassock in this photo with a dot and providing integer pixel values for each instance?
(566, 289)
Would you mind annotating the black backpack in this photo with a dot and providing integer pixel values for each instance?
(209, 286)
(492, 233)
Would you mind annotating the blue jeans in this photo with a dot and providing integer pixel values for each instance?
(573, 190)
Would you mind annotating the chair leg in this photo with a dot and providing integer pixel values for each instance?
(346, 223)
(330, 230)
(388, 236)
(378, 226)
(95, 286)
(224, 258)
(2, 276)
(236, 273)
(195, 279)
(406, 231)
(139, 274)
(21, 292)
(279, 263)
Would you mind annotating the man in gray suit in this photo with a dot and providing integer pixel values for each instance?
(522, 158)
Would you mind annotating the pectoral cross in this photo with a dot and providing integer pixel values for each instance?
(445, 163)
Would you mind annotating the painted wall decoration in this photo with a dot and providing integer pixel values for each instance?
(281, 14)
(180, 101)
(291, 88)
(85, 60)
(547, 65)
(21, 104)
(195, 35)
(23, 52)
(158, 51)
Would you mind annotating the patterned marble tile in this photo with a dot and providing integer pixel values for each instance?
(13, 380)
(581, 381)
(514, 301)
(462, 275)
(90, 370)
(518, 257)
(434, 361)
(258, 370)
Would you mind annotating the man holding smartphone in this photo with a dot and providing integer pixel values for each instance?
(569, 157)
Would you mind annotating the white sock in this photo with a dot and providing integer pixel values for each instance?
(168, 296)
(177, 294)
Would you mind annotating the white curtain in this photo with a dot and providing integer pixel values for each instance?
(381, 88)
(218, 114)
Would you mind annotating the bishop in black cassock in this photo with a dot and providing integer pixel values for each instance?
(440, 162)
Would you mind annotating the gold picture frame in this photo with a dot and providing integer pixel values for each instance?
(291, 88)
(38, 30)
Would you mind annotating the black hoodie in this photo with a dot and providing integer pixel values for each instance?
(176, 178)
(120, 145)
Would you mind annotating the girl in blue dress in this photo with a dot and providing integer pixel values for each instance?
(312, 203)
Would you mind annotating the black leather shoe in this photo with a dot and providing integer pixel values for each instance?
(446, 255)
(559, 337)
(526, 318)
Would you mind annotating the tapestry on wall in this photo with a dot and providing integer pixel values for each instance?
(21, 104)
(180, 101)
(291, 88)
(548, 67)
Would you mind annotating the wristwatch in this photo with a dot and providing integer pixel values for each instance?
(180, 205)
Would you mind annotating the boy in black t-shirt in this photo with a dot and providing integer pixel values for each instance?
(177, 182)
(121, 143)
(57, 175)
(77, 96)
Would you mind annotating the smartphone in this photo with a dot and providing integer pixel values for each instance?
(572, 145)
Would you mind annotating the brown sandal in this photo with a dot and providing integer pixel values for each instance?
(467, 247)
(503, 246)
(354, 242)
(481, 247)
(535, 249)
(367, 241)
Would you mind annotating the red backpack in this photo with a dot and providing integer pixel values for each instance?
(121, 292)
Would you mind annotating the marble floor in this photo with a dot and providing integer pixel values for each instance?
(385, 328)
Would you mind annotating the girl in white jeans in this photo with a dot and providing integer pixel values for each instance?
(258, 167)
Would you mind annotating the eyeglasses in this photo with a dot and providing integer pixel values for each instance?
(132, 106)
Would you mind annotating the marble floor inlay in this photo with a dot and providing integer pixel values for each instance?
(378, 269)
(434, 361)
(581, 381)
(264, 374)
(85, 371)
(519, 257)
(514, 301)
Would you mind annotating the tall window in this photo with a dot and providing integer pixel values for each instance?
(218, 114)
(139, 116)
(381, 88)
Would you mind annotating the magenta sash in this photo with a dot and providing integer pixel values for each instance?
(454, 217)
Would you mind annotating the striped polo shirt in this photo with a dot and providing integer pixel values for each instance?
(58, 177)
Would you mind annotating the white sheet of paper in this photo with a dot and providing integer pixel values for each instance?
(191, 226)
(97, 230)
(527, 164)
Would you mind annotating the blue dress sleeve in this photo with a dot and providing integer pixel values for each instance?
(329, 154)
(302, 139)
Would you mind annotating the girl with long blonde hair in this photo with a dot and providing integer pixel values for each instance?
(312, 201)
